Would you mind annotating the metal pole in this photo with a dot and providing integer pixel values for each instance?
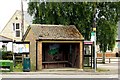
(94, 29)
(13, 55)
(13, 48)
(95, 53)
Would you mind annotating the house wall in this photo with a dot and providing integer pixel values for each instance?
(30, 37)
(8, 29)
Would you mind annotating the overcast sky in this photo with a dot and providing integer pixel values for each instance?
(8, 8)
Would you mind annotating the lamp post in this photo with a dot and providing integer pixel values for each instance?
(95, 54)
(94, 30)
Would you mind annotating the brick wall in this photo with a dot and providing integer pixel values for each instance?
(39, 60)
(30, 37)
(81, 55)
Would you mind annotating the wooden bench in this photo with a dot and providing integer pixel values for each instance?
(54, 64)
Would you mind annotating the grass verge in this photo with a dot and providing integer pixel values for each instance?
(102, 70)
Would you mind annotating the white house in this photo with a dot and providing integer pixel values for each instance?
(13, 28)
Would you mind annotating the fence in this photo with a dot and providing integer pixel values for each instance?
(108, 59)
(18, 57)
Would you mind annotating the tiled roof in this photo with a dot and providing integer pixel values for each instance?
(56, 32)
(2, 38)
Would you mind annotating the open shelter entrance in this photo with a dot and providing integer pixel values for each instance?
(60, 55)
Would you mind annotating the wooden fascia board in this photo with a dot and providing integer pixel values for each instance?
(60, 41)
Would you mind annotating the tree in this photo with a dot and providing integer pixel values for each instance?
(107, 25)
(81, 15)
(78, 14)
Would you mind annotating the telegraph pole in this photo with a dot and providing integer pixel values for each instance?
(22, 18)
(22, 25)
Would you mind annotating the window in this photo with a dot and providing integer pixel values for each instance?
(16, 18)
(18, 33)
(13, 26)
(17, 26)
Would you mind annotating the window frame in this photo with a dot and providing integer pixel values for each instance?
(17, 26)
(17, 35)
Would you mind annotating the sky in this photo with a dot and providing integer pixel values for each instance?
(8, 8)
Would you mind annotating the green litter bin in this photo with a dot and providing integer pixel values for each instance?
(26, 64)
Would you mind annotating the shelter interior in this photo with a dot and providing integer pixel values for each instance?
(60, 55)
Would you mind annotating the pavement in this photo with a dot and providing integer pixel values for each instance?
(103, 69)
(108, 70)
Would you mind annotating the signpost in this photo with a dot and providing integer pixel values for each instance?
(93, 38)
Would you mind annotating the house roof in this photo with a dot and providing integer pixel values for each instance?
(55, 32)
(27, 17)
(3, 38)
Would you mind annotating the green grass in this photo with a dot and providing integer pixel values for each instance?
(87, 68)
(32, 68)
(102, 70)
(98, 69)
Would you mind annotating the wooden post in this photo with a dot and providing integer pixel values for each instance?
(39, 55)
(81, 56)
(22, 18)
(109, 60)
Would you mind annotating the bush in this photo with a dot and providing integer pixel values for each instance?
(18, 68)
(4, 54)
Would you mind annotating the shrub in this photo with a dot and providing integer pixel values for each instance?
(18, 68)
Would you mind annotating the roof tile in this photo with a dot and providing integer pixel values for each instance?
(56, 32)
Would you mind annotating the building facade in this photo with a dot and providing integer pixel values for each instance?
(13, 28)
(55, 46)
